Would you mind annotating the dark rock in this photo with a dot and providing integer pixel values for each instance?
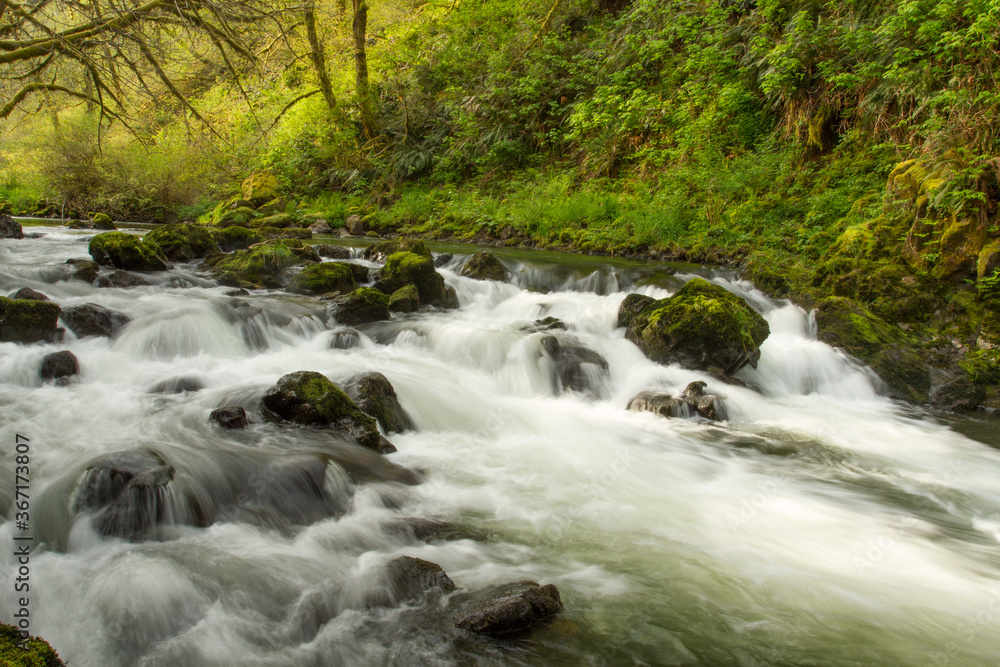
(178, 385)
(230, 417)
(407, 268)
(702, 326)
(125, 251)
(409, 578)
(237, 292)
(321, 228)
(545, 324)
(181, 242)
(91, 319)
(332, 251)
(26, 321)
(575, 367)
(692, 401)
(958, 392)
(345, 339)
(121, 279)
(355, 226)
(484, 266)
(375, 396)
(380, 252)
(10, 228)
(442, 259)
(324, 278)
(84, 269)
(632, 306)
(30, 294)
(360, 272)
(509, 608)
(404, 300)
(363, 305)
(59, 366)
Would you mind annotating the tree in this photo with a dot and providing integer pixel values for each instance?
(361, 68)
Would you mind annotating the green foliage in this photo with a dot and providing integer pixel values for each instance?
(36, 652)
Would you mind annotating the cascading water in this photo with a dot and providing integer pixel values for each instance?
(820, 524)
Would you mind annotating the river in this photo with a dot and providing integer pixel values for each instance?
(819, 524)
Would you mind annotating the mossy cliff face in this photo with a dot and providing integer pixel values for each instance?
(125, 251)
(702, 326)
(181, 242)
(28, 321)
(324, 278)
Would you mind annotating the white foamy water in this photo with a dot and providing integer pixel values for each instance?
(820, 524)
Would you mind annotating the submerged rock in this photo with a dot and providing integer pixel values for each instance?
(28, 321)
(575, 367)
(410, 578)
(361, 306)
(29, 294)
(83, 269)
(692, 401)
(484, 266)
(121, 279)
(125, 251)
(178, 385)
(90, 319)
(10, 228)
(702, 326)
(181, 242)
(509, 608)
(374, 395)
(232, 417)
(442, 259)
(380, 252)
(59, 366)
(345, 339)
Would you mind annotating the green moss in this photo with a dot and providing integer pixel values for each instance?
(236, 238)
(289, 233)
(238, 216)
(27, 321)
(983, 366)
(125, 251)
(278, 221)
(323, 278)
(261, 265)
(843, 323)
(484, 266)
(407, 268)
(404, 300)
(103, 221)
(383, 249)
(13, 654)
(363, 305)
(260, 187)
(181, 242)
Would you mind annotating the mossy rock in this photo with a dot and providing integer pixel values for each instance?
(260, 188)
(380, 252)
(84, 269)
(311, 399)
(407, 268)
(181, 242)
(324, 278)
(125, 251)
(361, 306)
(103, 221)
(702, 326)
(277, 221)
(26, 652)
(484, 266)
(989, 260)
(276, 205)
(237, 216)
(961, 242)
(632, 306)
(28, 321)
(275, 233)
(375, 396)
(404, 300)
(236, 238)
(262, 265)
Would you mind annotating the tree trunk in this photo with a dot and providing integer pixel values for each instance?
(361, 68)
(318, 57)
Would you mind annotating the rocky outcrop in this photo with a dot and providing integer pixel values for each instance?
(574, 367)
(233, 417)
(91, 319)
(692, 401)
(375, 396)
(702, 326)
(324, 278)
(59, 366)
(181, 242)
(27, 321)
(361, 306)
(508, 609)
(484, 266)
(125, 251)
(10, 228)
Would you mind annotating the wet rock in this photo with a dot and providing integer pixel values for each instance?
(355, 226)
(263, 264)
(90, 319)
(410, 578)
(324, 278)
(83, 269)
(442, 259)
(380, 252)
(103, 222)
(10, 228)
(178, 385)
(375, 396)
(232, 417)
(121, 279)
(181, 242)
(484, 266)
(360, 272)
(956, 391)
(363, 305)
(408, 268)
(321, 227)
(702, 326)
(28, 293)
(27, 321)
(631, 307)
(59, 366)
(692, 401)
(125, 251)
(545, 324)
(333, 251)
(404, 300)
(310, 399)
(509, 609)
(236, 238)
(662, 404)
(237, 292)
(345, 339)
(575, 367)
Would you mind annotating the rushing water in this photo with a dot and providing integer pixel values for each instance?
(821, 524)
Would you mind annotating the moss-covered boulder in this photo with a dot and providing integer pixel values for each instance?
(103, 222)
(311, 399)
(333, 251)
(404, 300)
(276, 205)
(380, 252)
(262, 265)
(125, 251)
(83, 269)
(17, 650)
(989, 260)
(27, 321)
(361, 272)
(10, 228)
(632, 306)
(277, 220)
(962, 240)
(238, 216)
(408, 268)
(375, 396)
(363, 305)
(260, 188)
(324, 278)
(276, 233)
(484, 266)
(181, 242)
(236, 238)
(702, 326)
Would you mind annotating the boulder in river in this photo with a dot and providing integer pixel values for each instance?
(363, 305)
(442, 259)
(10, 228)
(262, 264)
(83, 269)
(355, 225)
(236, 238)
(59, 366)
(181, 242)
(345, 339)
(324, 278)
(410, 578)
(91, 319)
(27, 321)
(702, 326)
(311, 399)
(332, 251)
(177, 385)
(408, 268)
(575, 367)
(375, 396)
(404, 300)
(509, 608)
(380, 252)
(125, 251)
(231, 417)
(632, 306)
(30, 294)
(692, 401)
(103, 222)
(122, 279)
(484, 266)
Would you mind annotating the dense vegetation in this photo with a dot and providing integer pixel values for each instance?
(830, 148)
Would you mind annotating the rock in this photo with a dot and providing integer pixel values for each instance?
(404, 300)
(957, 393)
(276, 205)
(260, 188)
(702, 326)
(236, 203)
(355, 226)
(10, 228)
(177, 385)
(276, 221)
(407, 268)
(375, 396)
(263, 264)
(181, 242)
(27, 321)
(17, 650)
(238, 217)
(122, 279)
(59, 366)
(84, 269)
(409, 578)
(989, 260)
(509, 608)
(575, 367)
(664, 405)
(275, 234)
(632, 306)
(310, 399)
(237, 292)
(545, 324)
(345, 340)
(230, 417)
(360, 271)
(91, 319)
(961, 243)
(126, 491)
(449, 298)
(125, 251)
(236, 238)
(324, 278)
(29, 294)
(103, 222)
(321, 227)
(442, 259)
(333, 251)
(706, 405)
(361, 306)
(379, 252)
(484, 266)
